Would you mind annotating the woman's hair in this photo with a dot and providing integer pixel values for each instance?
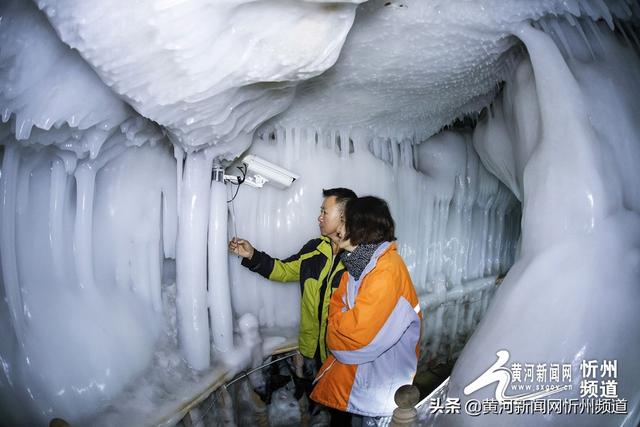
(368, 221)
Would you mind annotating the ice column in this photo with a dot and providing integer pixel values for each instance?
(191, 261)
(9, 183)
(56, 219)
(83, 243)
(219, 294)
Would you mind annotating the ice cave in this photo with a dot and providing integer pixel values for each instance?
(502, 133)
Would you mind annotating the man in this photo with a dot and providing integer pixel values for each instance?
(318, 269)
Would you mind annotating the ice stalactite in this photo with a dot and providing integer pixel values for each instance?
(38, 66)
(9, 262)
(57, 197)
(457, 226)
(85, 176)
(571, 120)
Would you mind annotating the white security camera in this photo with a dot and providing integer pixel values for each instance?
(260, 171)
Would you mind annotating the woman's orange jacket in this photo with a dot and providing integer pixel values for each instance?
(373, 334)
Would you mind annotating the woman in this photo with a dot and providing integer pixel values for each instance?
(373, 329)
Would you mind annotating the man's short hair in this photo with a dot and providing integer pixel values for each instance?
(341, 194)
(368, 221)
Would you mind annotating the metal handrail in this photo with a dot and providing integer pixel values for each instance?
(221, 378)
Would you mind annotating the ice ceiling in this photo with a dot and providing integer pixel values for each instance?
(115, 112)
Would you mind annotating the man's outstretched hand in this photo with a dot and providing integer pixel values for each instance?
(241, 247)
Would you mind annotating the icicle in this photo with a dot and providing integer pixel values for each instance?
(280, 135)
(550, 29)
(29, 162)
(70, 161)
(297, 142)
(605, 13)
(335, 144)
(178, 153)
(403, 153)
(558, 30)
(572, 7)
(169, 221)
(588, 9)
(56, 221)
(578, 26)
(93, 140)
(289, 136)
(596, 32)
(23, 128)
(395, 153)
(633, 34)
(8, 180)
(409, 154)
(83, 230)
(624, 34)
(375, 147)
(85, 181)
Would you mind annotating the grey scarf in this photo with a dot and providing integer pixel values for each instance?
(356, 261)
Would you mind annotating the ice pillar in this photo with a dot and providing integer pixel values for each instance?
(191, 261)
(8, 185)
(219, 293)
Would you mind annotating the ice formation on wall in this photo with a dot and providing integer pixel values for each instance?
(97, 198)
(82, 254)
(462, 226)
(81, 227)
(564, 134)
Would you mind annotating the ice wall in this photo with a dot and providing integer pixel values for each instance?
(82, 252)
(457, 226)
(109, 222)
(570, 117)
(85, 188)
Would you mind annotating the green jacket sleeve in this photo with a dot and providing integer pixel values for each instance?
(286, 270)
